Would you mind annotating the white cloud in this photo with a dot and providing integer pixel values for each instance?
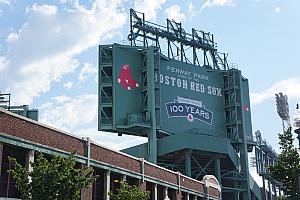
(36, 77)
(222, 2)
(110, 140)
(46, 46)
(174, 12)
(68, 113)
(71, 113)
(61, 99)
(289, 87)
(8, 2)
(44, 9)
(278, 9)
(86, 71)
(211, 3)
(3, 64)
(1, 13)
(149, 7)
(68, 85)
(12, 37)
(191, 9)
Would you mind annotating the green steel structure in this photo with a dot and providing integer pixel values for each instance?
(193, 108)
(22, 110)
(265, 156)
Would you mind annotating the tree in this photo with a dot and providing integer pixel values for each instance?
(128, 192)
(286, 170)
(51, 180)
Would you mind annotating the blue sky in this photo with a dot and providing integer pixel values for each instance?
(48, 53)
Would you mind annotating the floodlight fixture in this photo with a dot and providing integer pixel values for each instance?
(282, 106)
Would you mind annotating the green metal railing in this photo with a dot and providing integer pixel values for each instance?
(106, 99)
(106, 121)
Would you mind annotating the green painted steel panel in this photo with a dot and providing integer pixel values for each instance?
(189, 98)
(255, 188)
(199, 142)
(192, 99)
(139, 151)
(126, 69)
(246, 109)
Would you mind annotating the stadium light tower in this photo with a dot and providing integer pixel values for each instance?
(283, 109)
(296, 124)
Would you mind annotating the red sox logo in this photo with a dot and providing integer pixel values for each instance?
(246, 108)
(125, 79)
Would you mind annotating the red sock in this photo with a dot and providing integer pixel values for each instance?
(125, 78)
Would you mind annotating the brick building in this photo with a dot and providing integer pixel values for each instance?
(21, 137)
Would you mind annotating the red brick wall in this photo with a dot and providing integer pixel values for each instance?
(114, 158)
(24, 129)
(38, 133)
(1, 153)
(161, 174)
(213, 192)
(191, 184)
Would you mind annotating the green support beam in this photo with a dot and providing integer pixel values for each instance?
(244, 151)
(197, 142)
(187, 163)
(218, 169)
(152, 143)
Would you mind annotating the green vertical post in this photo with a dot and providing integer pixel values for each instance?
(236, 193)
(114, 111)
(152, 143)
(25, 111)
(88, 151)
(218, 169)
(243, 149)
(187, 163)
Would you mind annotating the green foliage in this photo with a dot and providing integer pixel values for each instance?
(286, 170)
(51, 180)
(128, 192)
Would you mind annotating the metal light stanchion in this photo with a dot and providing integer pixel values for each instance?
(296, 123)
